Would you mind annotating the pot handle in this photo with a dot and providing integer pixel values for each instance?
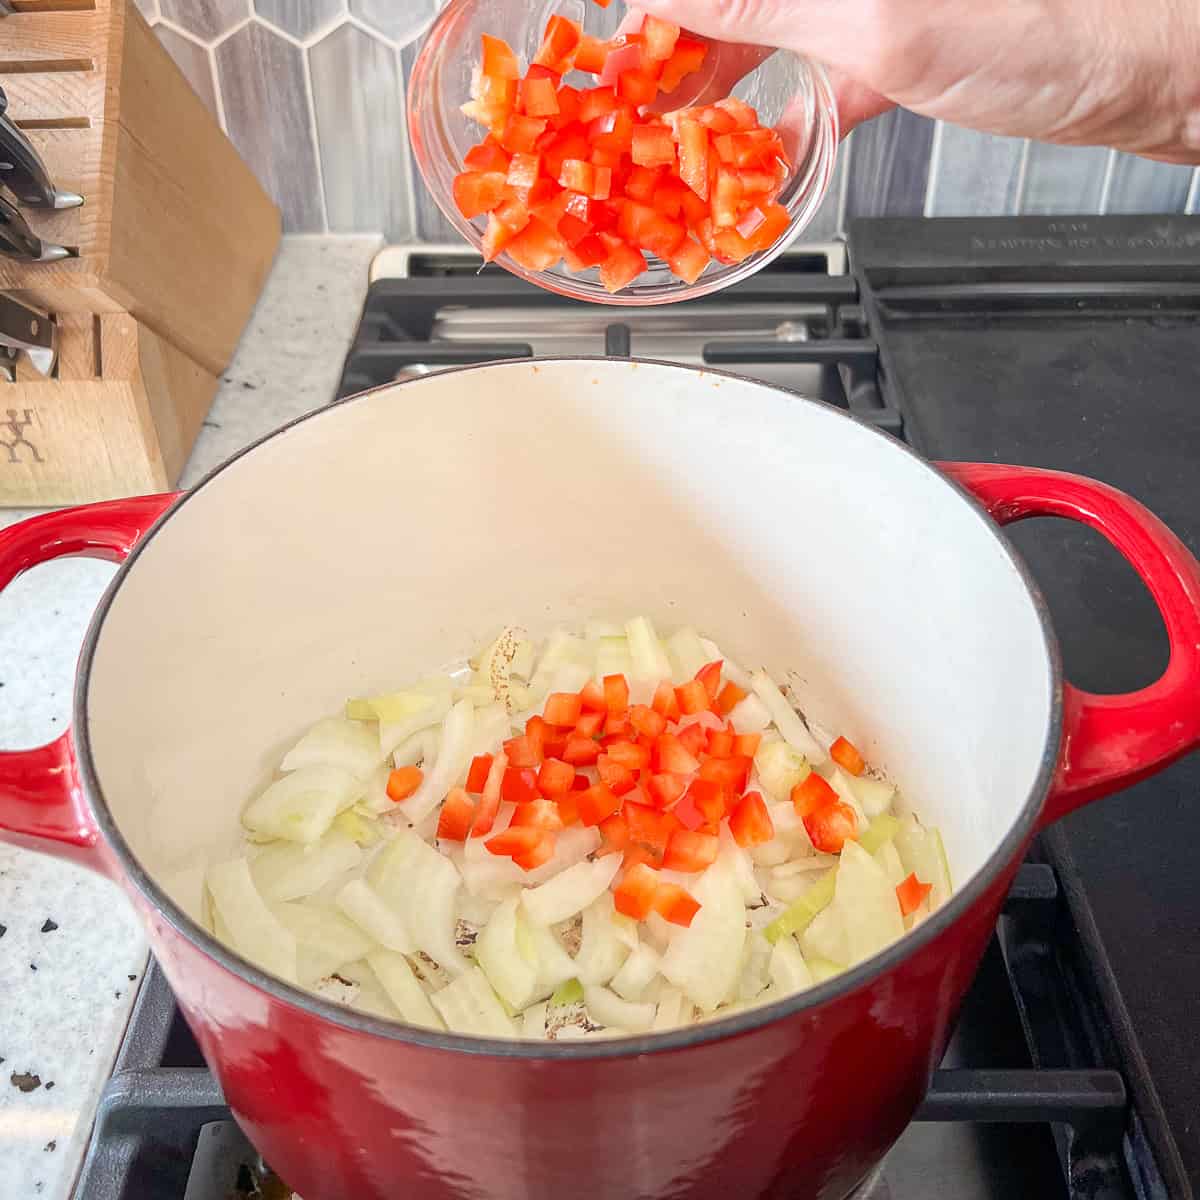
(42, 804)
(1110, 742)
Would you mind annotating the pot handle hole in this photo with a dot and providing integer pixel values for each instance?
(42, 803)
(1110, 742)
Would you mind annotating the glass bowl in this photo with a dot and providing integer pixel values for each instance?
(441, 135)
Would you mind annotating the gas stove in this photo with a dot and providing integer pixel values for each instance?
(1071, 343)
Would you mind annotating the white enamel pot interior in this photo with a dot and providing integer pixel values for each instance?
(388, 536)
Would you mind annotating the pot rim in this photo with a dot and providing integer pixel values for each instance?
(743, 1022)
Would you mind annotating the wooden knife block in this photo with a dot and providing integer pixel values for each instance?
(174, 241)
(119, 420)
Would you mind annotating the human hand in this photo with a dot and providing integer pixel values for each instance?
(1079, 72)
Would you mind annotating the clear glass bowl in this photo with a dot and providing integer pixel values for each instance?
(441, 135)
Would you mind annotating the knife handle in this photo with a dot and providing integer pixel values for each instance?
(22, 170)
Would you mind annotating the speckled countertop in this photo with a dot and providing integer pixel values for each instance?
(71, 953)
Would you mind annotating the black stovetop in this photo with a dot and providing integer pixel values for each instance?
(1061, 342)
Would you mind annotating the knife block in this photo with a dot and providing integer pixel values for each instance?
(175, 229)
(119, 419)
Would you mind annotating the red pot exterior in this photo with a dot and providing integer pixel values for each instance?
(801, 1108)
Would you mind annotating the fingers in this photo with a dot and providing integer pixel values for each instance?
(761, 22)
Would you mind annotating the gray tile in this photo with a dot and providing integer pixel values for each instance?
(300, 18)
(824, 226)
(1141, 186)
(208, 19)
(974, 174)
(889, 166)
(1194, 196)
(400, 20)
(193, 60)
(360, 126)
(266, 114)
(1064, 179)
(431, 225)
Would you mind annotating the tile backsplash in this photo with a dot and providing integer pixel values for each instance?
(312, 92)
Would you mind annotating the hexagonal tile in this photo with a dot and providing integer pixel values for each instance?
(300, 18)
(357, 96)
(266, 114)
(400, 20)
(193, 60)
(207, 19)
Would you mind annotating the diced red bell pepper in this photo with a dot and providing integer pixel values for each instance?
(708, 799)
(694, 738)
(578, 175)
(402, 782)
(687, 59)
(638, 88)
(537, 93)
(645, 720)
(485, 816)
(726, 197)
(513, 214)
(831, 826)
(569, 103)
(602, 3)
(597, 803)
(615, 831)
(567, 806)
(730, 773)
(658, 38)
(458, 812)
(597, 102)
(758, 184)
(665, 702)
(590, 55)
(481, 764)
(572, 229)
(523, 752)
(590, 724)
(489, 155)
(692, 696)
(653, 147)
(710, 676)
(616, 695)
(720, 743)
(536, 247)
(729, 698)
(523, 171)
(547, 202)
(559, 44)
(746, 744)
(911, 894)
(670, 755)
(554, 747)
(812, 793)
(665, 789)
(625, 56)
(555, 777)
(541, 814)
(693, 156)
(520, 133)
(498, 60)
(741, 112)
(846, 755)
(541, 854)
(519, 839)
(477, 192)
(634, 895)
(592, 697)
(617, 728)
(519, 785)
(563, 709)
(581, 751)
(602, 183)
(613, 131)
(763, 226)
(689, 260)
(674, 904)
(619, 778)
(628, 754)
(687, 813)
(660, 236)
(730, 247)
(750, 823)
(646, 825)
(688, 851)
(716, 120)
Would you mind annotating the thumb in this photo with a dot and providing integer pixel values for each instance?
(760, 22)
(856, 102)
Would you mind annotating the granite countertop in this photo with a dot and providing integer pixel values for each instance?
(71, 952)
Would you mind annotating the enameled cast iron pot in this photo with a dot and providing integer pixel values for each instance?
(387, 536)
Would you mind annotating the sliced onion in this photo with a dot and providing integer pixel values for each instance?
(635, 976)
(570, 891)
(253, 929)
(786, 719)
(649, 658)
(780, 768)
(533, 1021)
(439, 694)
(454, 756)
(301, 806)
(603, 946)
(750, 715)
(607, 1008)
(361, 903)
(336, 742)
(288, 871)
(788, 970)
(687, 650)
(510, 969)
(398, 980)
(468, 1005)
(673, 1010)
(325, 940)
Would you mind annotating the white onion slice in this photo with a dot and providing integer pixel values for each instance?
(454, 756)
(325, 940)
(363, 905)
(289, 870)
(636, 974)
(301, 806)
(507, 958)
(607, 1008)
(254, 931)
(339, 743)
(570, 891)
(750, 715)
(402, 988)
(468, 1005)
(650, 661)
(786, 719)
(603, 946)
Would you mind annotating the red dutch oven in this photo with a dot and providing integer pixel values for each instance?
(387, 536)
